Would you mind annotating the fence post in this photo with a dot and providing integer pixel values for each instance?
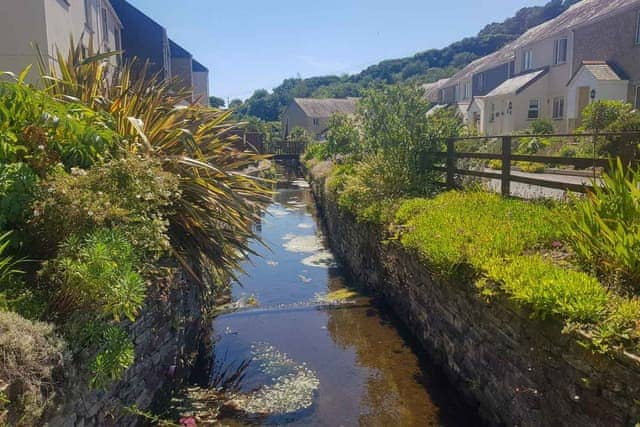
(505, 187)
(451, 162)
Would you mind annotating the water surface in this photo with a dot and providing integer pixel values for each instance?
(315, 360)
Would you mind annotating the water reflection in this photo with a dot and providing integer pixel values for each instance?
(351, 363)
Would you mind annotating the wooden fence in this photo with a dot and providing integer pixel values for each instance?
(507, 157)
(285, 148)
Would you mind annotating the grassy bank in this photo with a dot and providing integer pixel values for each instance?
(519, 248)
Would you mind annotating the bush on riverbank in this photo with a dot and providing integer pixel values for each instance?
(509, 246)
(102, 183)
(559, 260)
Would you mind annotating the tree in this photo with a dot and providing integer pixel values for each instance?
(216, 102)
(235, 103)
(395, 125)
(343, 136)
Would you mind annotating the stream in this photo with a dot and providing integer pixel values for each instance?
(300, 347)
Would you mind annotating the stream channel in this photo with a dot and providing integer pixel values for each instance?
(304, 348)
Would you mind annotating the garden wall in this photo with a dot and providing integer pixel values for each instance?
(515, 369)
(165, 336)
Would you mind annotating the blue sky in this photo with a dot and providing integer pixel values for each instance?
(253, 44)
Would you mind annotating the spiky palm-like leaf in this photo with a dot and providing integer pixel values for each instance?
(218, 205)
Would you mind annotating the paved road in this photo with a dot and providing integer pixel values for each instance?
(528, 191)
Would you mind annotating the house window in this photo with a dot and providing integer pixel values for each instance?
(456, 93)
(534, 109)
(558, 108)
(481, 81)
(105, 27)
(87, 14)
(316, 122)
(467, 90)
(638, 97)
(527, 60)
(638, 30)
(560, 51)
(493, 112)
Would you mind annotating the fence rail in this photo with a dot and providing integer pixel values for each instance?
(285, 148)
(507, 158)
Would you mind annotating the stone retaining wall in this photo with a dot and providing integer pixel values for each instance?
(164, 336)
(515, 369)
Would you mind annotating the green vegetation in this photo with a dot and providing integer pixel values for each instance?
(106, 187)
(604, 229)
(424, 67)
(473, 228)
(577, 262)
(388, 152)
(611, 116)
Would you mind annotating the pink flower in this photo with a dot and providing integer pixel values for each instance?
(188, 422)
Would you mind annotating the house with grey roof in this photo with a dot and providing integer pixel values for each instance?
(313, 114)
(147, 40)
(589, 52)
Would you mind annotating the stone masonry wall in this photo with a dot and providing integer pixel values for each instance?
(163, 336)
(515, 369)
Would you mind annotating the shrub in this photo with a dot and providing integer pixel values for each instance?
(613, 116)
(116, 356)
(14, 295)
(17, 190)
(97, 274)
(133, 194)
(541, 127)
(370, 188)
(213, 219)
(549, 289)
(8, 266)
(568, 151)
(531, 167)
(41, 131)
(300, 134)
(316, 151)
(495, 164)
(395, 126)
(343, 136)
(620, 327)
(599, 115)
(604, 228)
(457, 228)
(31, 357)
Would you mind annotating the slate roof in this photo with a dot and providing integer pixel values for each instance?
(432, 89)
(323, 108)
(601, 71)
(518, 83)
(581, 13)
(178, 51)
(198, 67)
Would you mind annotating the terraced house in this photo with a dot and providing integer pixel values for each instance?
(110, 25)
(553, 71)
(49, 25)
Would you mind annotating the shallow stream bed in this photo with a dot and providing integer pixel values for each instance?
(308, 349)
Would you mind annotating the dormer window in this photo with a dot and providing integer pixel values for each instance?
(467, 90)
(481, 81)
(560, 51)
(527, 60)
